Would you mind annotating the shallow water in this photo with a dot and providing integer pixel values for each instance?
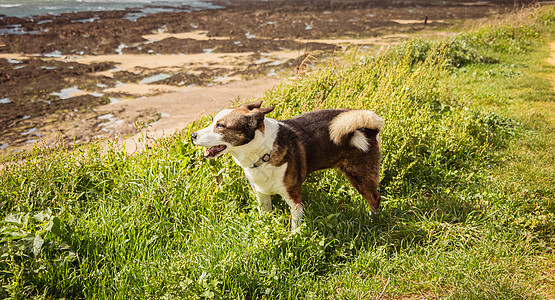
(54, 53)
(25, 8)
(67, 93)
(155, 78)
(15, 29)
(29, 131)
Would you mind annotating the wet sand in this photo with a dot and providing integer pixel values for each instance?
(87, 75)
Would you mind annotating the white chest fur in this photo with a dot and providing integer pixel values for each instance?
(267, 179)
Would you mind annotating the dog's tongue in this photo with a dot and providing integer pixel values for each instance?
(214, 150)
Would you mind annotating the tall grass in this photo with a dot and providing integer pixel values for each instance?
(167, 224)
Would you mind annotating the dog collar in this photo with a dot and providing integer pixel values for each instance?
(263, 159)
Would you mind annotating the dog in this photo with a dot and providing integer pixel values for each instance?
(276, 156)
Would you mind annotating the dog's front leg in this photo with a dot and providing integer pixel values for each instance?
(294, 201)
(264, 202)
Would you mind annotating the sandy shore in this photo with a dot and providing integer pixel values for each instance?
(77, 80)
(182, 107)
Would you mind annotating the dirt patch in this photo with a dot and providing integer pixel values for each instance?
(58, 70)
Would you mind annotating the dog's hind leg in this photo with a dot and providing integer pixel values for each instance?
(264, 202)
(365, 183)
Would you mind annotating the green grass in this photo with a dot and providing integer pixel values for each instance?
(468, 179)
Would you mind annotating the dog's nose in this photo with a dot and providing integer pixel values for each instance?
(194, 135)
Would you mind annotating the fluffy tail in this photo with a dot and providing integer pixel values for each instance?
(352, 122)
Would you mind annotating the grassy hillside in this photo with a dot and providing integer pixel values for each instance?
(468, 187)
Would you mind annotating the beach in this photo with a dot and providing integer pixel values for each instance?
(79, 76)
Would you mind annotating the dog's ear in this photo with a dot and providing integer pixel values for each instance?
(255, 107)
(259, 113)
(265, 110)
(251, 105)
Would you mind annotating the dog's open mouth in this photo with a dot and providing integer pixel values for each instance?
(214, 151)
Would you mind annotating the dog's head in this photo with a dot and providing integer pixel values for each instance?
(231, 128)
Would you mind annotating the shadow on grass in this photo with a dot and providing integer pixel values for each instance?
(401, 223)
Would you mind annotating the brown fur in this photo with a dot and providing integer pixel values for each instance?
(240, 125)
(304, 143)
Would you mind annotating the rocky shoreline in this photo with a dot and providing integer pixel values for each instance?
(57, 71)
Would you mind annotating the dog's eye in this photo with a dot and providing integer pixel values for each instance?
(220, 125)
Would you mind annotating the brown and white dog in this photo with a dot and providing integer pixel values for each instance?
(278, 155)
